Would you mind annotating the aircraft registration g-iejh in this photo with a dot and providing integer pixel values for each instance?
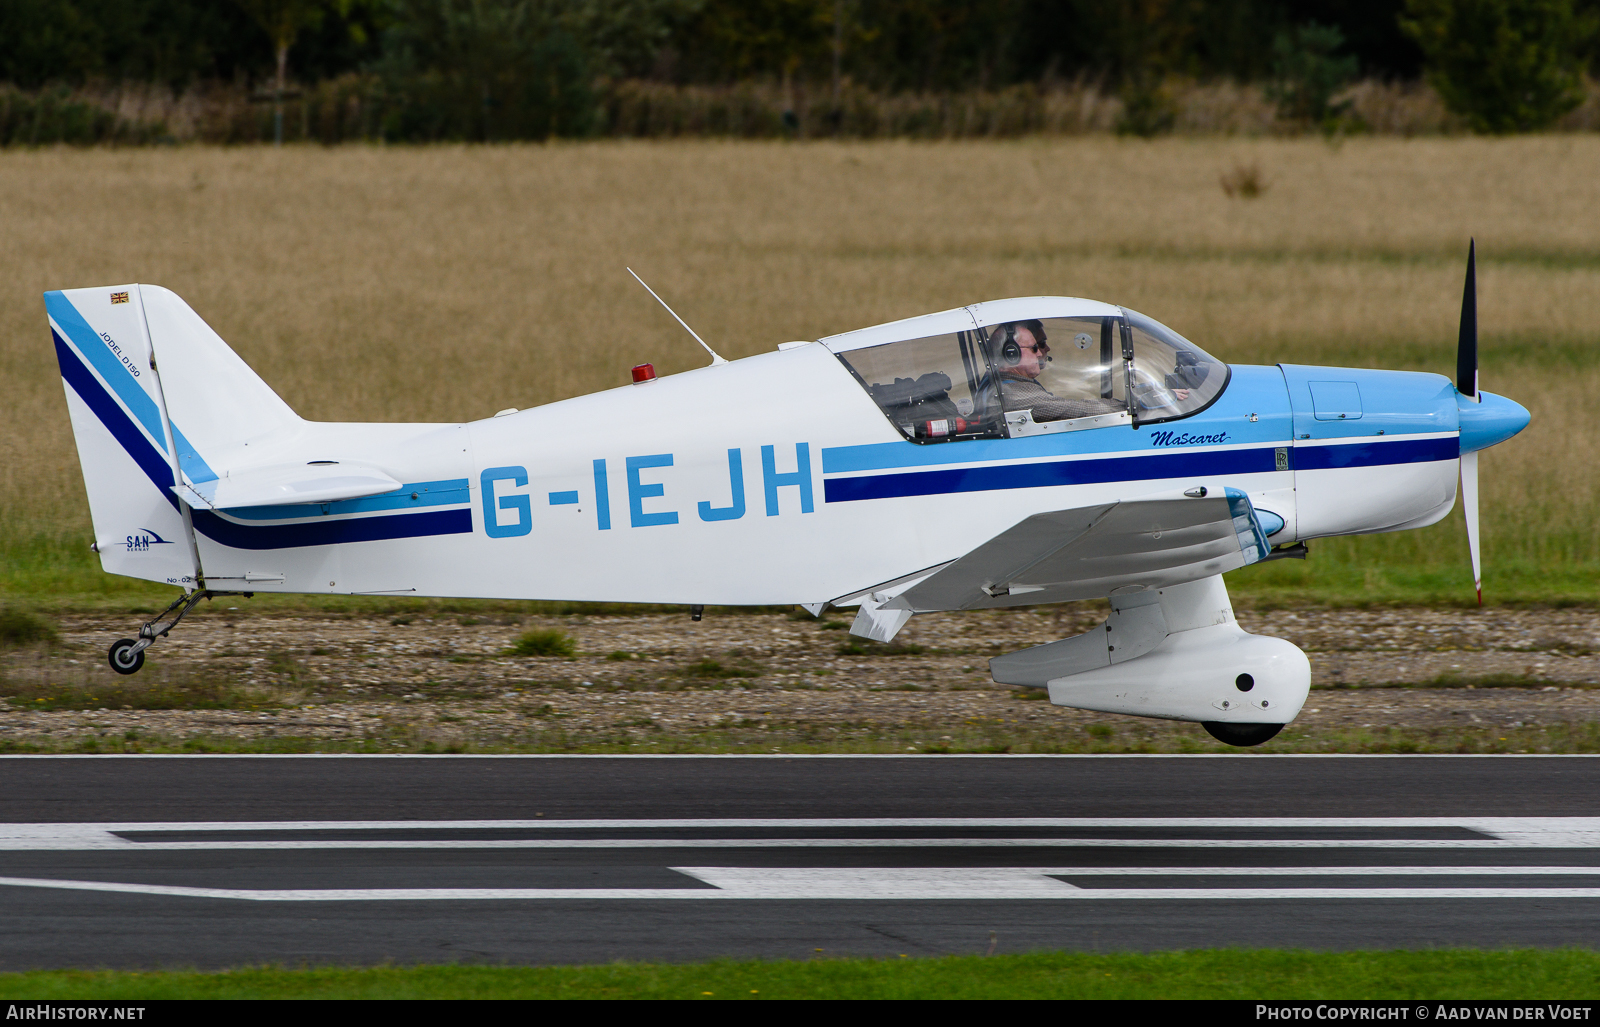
(1008, 453)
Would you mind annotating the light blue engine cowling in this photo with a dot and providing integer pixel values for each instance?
(1349, 402)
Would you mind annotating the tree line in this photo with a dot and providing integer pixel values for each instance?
(477, 69)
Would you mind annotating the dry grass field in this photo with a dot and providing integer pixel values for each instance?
(446, 283)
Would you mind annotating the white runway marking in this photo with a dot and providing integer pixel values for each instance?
(991, 883)
(1495, 832)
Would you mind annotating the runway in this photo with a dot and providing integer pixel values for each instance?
(223, 861)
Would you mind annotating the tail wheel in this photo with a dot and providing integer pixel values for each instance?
(1239, 734)
(124, 658)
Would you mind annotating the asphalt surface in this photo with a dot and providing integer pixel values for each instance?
(224, 861)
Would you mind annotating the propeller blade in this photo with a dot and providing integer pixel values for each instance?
(1467, 348)
(1469, 505)
(1467, 384)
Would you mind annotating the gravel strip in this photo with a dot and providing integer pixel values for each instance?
(444, 679)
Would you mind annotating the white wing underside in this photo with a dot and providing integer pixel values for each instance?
(1091, 552)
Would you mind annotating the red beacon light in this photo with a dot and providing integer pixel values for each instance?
(644, 373)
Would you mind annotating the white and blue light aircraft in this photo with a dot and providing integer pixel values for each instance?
(1008, 453)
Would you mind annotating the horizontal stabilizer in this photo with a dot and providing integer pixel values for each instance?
(287, 484)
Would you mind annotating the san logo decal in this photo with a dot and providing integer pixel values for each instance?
(141, 543)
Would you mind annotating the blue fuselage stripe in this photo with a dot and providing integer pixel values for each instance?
(427, 493)
(1135, 468)
(1044, 475)
(249, 536)
(330, 533)
(1373, 454)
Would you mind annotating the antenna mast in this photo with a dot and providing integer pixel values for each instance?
(715, 360)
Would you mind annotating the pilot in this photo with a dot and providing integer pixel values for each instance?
(1020, 352)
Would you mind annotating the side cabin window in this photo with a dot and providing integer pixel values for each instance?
(1067, 374)
(1059, 368)
(936, 389)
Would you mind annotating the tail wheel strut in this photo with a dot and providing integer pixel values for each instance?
(127, 654)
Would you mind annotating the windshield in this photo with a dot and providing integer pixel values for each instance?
(1171, 376)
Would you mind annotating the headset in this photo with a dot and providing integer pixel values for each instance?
(1011, 350)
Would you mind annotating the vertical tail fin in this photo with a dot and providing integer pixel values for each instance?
(157, 399)
(119, 422)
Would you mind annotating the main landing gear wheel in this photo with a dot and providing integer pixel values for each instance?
(123, 658)
(1240, 734)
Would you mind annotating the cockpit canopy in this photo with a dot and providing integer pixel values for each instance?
(1028, 366)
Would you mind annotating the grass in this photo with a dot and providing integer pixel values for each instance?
(315, 262)
(24, 627)
(1260, 974)
(543, 642)
(709, 668)
(867, 647)
(543, 731)
(43, 684)
(152, 690)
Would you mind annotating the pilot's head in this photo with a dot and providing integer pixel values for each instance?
(1022, 349)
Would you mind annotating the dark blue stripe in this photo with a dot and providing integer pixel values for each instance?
(332, 533)
(1373, 454)
(1065, 472)
(1169, 465)
(245, 536)
(93, 394)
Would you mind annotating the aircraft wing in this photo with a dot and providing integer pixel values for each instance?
(1087, 552)
(286, 484)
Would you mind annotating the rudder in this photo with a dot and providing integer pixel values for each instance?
(216, 403)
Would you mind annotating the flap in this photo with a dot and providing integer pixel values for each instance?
(1092, 551)
(324, 481)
